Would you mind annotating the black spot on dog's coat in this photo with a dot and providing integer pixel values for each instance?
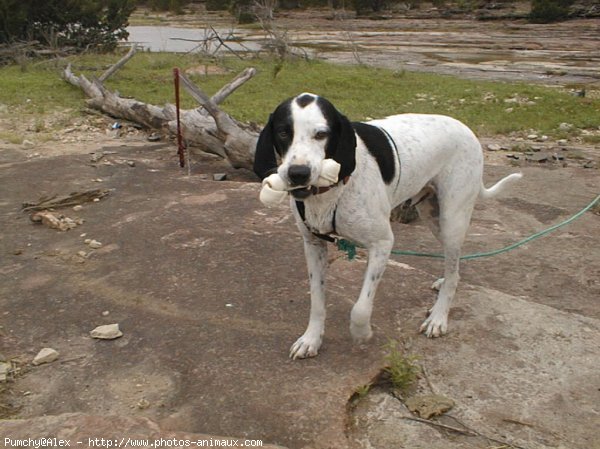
(379, 147)
(305, 100)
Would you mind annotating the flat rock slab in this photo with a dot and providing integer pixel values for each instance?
(517, 372)
(210, 290)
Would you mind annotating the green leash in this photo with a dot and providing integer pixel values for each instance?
(350, 248)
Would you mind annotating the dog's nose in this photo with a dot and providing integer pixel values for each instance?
(299, 174)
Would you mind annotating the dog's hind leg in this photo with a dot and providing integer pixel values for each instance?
(429, 211)
(309, 343)
(453, 229)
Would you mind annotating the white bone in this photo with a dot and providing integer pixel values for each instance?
(330, 170)
(270, 197)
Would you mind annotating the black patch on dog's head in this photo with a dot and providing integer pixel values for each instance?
(276, 136)
(379, 147)
(341, 144)
(305, 100)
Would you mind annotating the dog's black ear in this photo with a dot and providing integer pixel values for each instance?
(345, 151)
(265, 162)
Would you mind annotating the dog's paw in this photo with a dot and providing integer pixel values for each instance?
(437, 285)
(435, 325)
(306, 346)
(360, 334)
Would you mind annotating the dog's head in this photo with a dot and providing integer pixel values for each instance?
(303, 131)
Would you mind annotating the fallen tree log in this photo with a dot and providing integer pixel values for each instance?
(206, 128)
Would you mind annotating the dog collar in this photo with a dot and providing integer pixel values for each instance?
(301, 194)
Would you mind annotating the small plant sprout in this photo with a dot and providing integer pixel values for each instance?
(401, 368)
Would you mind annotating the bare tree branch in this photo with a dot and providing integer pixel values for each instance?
(112, 69)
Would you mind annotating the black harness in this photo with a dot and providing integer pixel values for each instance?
(327, 237)
(316, 191)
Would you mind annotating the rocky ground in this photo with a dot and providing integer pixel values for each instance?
(209, 291)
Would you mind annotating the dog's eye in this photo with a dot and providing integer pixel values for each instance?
(283, 135)
(320, 135)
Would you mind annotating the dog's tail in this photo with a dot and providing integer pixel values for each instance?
(496, 188)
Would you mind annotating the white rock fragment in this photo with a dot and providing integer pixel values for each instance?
(46, 355)
(565, 126)
(107, 332)
(5, 369)
(94, 244)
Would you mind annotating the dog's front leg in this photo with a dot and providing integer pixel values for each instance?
(360, 317)
(309, 343)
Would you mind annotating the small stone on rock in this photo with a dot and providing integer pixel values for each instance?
(5, 369)
(220, 176)
(94, 244)
(428, 405)
(77, 208)
(154, 137)
(46, 355)
(105, 313)
(539, 157)
(107, 332)
(494, 147)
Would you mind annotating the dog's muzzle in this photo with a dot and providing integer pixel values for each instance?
(298, 175)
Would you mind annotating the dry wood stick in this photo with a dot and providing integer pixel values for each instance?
(231, 87)
(443, 426)
(120, 63)
(222, 42)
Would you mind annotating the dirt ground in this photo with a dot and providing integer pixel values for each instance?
(209, 289)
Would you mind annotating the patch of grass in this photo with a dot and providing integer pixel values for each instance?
(592, 139)
(402, 369)
(11, 137)
(362, 391)
(360, 92)
(35, 88)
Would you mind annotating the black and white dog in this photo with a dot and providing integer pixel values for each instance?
(433, 161)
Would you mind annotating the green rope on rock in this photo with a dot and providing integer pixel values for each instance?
(350, 248)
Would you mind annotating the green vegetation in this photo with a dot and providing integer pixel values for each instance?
(543, 11)
(402, 369)
(85, 24)
(360, 92)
